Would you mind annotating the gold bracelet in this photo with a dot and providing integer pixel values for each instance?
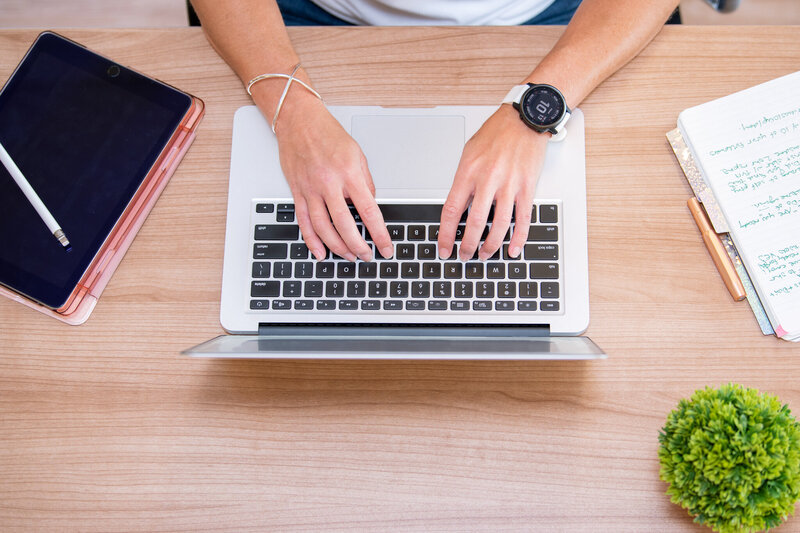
(290, 79)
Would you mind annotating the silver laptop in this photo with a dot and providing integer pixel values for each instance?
(278, 302)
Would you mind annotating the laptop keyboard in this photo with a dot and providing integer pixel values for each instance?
(285, 277)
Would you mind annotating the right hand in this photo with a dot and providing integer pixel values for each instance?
(325, 168)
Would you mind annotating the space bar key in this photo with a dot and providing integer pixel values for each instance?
(411, 213)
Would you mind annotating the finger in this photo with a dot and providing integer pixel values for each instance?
(345, 225)
(373, 219)
(321, 221)
(310, 237)
(476, 222)
(500, 224)
(453, 208)
(522, 222)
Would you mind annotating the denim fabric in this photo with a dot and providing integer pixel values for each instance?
(307, 13)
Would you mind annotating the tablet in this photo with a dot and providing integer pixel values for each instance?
(96, 141)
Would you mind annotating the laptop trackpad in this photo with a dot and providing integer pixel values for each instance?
(410, 152)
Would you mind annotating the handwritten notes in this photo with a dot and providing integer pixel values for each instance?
(747, 146)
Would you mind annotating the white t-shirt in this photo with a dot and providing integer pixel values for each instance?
(434, 12)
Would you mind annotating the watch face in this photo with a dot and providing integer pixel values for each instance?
(542, 106)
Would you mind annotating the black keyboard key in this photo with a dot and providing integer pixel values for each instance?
(548, 214)
(437, 305)
(304, 305)
(298, 250)
(442, 289)
(495, 270)
(504, 306)
(348, 305)
(285, 208)
(411, 213)
(282, 269)
(277, 232)
(460, 232)
(550, 289)
(528, 289)
(426, 251)
(506, 289)
(549, 305)
(326, 305)
(389, 270)
(433, 233)
(325, 269)
(421, 289)
(368, 270)
(409, 270)
(517, 271)
(260, 270)
(474, 270)
(544, 270)
(270, 250)
(543, 233)
(416, 233)
(334, 289)
(392, 305)
(484, 289)
(484, 305)
(292, 289)
(377, 289)
(265, 289)
(312, 289)
(303, 269)
(346, 270)
(463, 289)
(284, 217)
(370, 305)
(415, 305)
(355, 214)
(397, 233)
(459, 305)
(356, 289)
(541, 252)
(526, 306)
(398, 289)
(281, 304)
(453, 270)
(431, 270)
(265, 208)
(259, 304)
(405, 251)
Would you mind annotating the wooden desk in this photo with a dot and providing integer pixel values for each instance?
(106, 427)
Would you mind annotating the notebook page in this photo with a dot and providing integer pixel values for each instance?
(748, 148)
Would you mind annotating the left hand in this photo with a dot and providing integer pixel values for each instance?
(500, 165)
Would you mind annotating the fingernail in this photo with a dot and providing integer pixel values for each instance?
(444, 254)
(387, 251)
(513, 251)
(366, 256)
(350, 256)
(483, 256)
(319, 253)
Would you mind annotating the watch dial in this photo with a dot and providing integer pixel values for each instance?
(543, 105)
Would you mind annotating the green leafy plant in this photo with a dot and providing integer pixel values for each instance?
(732, 458)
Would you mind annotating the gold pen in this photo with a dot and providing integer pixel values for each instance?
(717, 251)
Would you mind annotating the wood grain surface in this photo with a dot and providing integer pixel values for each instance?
(106, 427)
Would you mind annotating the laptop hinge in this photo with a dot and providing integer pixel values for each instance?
(404, 330)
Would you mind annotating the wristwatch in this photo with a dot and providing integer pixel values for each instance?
(541, 107)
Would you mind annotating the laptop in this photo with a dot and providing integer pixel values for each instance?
(279, 302)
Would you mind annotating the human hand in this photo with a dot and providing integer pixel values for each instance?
(500, 165)
(325, 167)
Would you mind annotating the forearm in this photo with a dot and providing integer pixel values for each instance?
(602, 37)
(251, 37)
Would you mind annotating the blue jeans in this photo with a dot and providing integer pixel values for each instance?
(307, 13)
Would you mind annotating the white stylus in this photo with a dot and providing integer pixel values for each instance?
(32, 197)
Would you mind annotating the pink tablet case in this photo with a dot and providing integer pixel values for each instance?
(82, 302)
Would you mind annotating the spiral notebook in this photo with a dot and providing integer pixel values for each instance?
(746, 148)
